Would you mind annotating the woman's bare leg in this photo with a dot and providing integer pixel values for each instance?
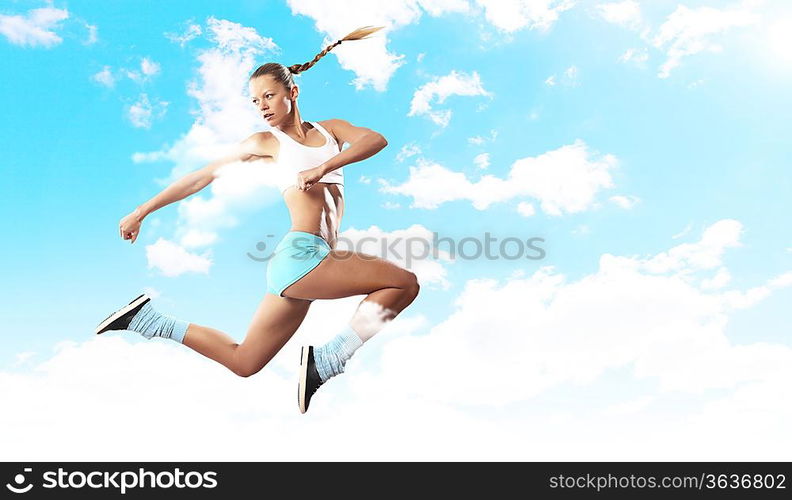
(343, 274)
(274, 323)
(388, 289)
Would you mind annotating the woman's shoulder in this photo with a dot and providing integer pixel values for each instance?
(263, 135)
(328, 126)
(263, 138)
(264, 142)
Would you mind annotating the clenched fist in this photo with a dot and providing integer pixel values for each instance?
(308, 178)
(129, 227)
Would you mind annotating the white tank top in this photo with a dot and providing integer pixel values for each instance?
(294, 157)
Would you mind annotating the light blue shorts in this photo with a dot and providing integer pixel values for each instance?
(294, 257)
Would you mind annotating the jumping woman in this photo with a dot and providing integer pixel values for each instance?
(305, 159)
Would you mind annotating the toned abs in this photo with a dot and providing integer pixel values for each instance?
(317, 210)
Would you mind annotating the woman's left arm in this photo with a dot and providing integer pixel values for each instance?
(363, 143)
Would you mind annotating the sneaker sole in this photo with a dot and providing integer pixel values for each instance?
(136, 302)
(303, 378)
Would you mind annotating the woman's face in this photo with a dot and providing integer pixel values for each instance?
(271, 99)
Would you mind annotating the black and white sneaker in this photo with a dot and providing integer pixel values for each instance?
(309, 378)
(120, 319)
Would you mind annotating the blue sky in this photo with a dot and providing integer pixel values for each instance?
(646, 142)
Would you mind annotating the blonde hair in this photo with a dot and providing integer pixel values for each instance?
(284, 74)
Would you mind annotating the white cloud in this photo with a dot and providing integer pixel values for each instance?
(526, 209)
(142, 113)
(637, 56)
(407, 151)
(689, 31)
(149, 67)
(369, 59)
(626, 13)
(630, 407)
(35, 29)
(482, 161)
(683, 232)
(779, 38)
(139, 113)
(568, 79)
(149, 157)
(364, 179)
(22, 358)
(439, 7)
(412, 248)
(479, 140)
(238, 188)
(192, 31)
(738, 299)
(173, 260)
(105, 77)
(152, 292)
(571, 76)
(93, 36)
(563, 180)
(389, 205)
(64, 381)
(781, 281)
(626, 202)
(659, 326)
(195, 238)
(224, 117)
(721, 279)
(706, 254)
(440, 88)
(581, 230)
(134, 75)
(61, 400)
(685, 32)
(514, 15)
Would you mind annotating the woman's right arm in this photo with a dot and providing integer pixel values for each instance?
(250, 149)
(254, 147)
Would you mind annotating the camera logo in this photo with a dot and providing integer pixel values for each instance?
(19, 479)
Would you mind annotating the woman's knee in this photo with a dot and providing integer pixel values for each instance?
(410, 285)
(247, 370)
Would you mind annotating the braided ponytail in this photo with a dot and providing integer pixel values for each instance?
(358, 34)
(285, 75)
